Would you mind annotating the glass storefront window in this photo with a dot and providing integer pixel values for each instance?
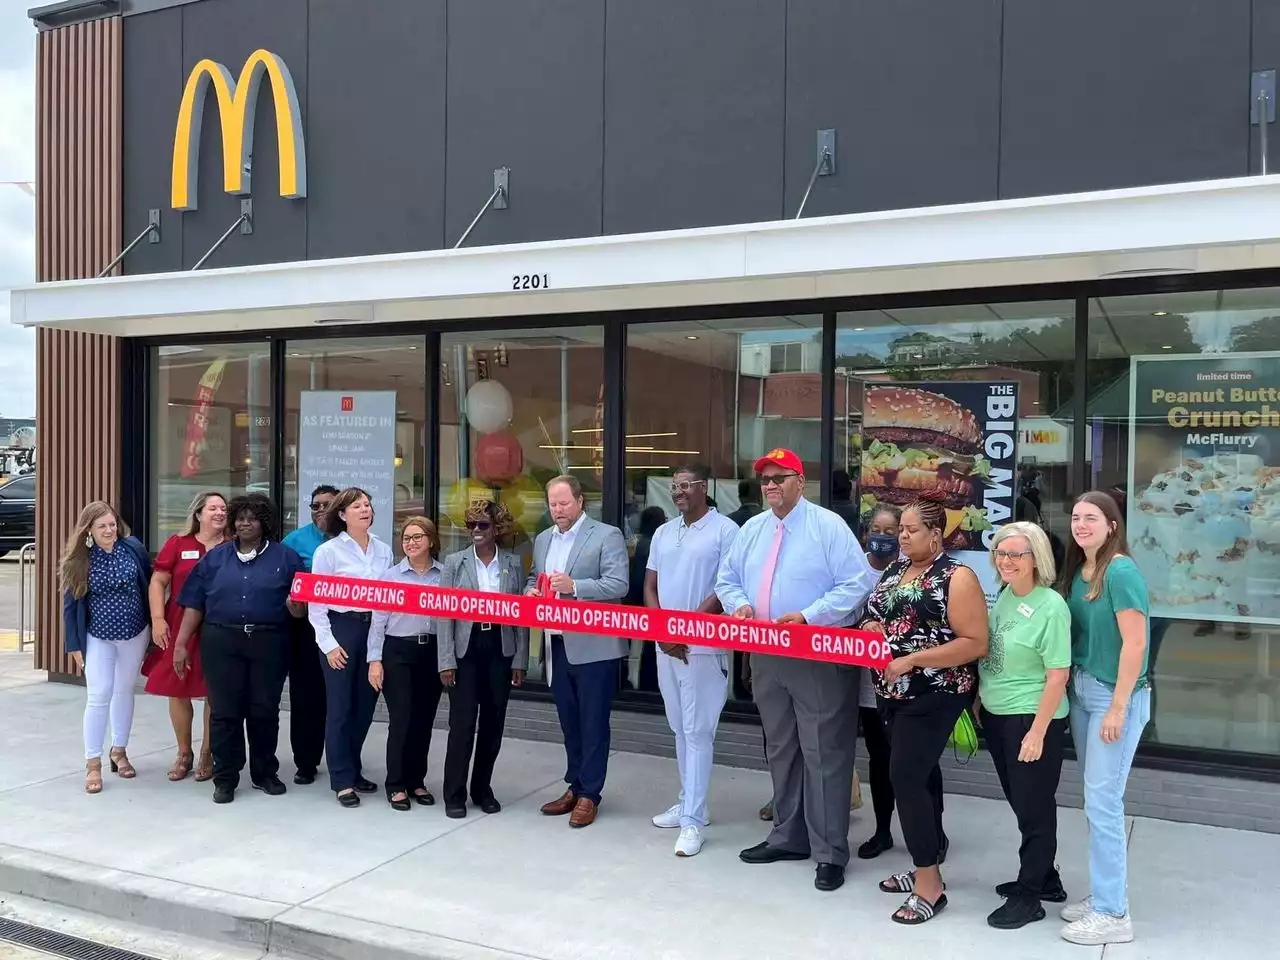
(378, 384)
(210, 427)
(516, 409)
(719, 393)
(949, 363)
(1184, 431)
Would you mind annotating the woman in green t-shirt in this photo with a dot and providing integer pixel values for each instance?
(1110, 703)
(1022, 686)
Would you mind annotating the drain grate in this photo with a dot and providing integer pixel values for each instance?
(38, 938)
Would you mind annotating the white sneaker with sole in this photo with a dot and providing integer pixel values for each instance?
(1099, 928)
(670, 819)
(1077, 911)
(689, 843)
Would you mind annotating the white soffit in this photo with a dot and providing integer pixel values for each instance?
(1182, 228)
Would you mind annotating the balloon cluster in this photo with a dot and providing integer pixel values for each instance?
(498, 458)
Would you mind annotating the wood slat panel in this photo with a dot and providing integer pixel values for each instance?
(78, 230)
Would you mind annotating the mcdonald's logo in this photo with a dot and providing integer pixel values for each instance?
(236, 101)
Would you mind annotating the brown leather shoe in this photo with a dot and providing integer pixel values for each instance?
(584, 813)
(558, 808)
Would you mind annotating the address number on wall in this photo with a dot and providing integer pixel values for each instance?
(530, 281)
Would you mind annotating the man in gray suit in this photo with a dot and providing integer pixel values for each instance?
(584, 560)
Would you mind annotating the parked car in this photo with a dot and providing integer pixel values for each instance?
(17, 513)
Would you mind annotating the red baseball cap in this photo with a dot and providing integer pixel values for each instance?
(781, 458)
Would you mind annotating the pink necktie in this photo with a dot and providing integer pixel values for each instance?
(766, 576)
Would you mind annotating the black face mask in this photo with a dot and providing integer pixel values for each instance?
(883, 545)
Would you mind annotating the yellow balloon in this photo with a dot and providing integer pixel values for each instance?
(460, 496)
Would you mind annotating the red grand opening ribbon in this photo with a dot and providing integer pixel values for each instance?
(825, 644)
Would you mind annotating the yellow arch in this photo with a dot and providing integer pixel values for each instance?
(235, 102)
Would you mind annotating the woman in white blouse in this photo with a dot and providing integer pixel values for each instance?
(342, 633)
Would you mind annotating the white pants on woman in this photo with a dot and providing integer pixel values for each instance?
(110, 673)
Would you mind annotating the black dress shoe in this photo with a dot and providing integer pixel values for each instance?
(271, 786)
(224, 794)
(349, 799)
(455, 813)
(1052, 893)
(304, 777)
(1016, 912)
(488, 804)
(829, 876)
(763, 853)
(365, 786)
(402, 804)
(875, 846)
(424, 799)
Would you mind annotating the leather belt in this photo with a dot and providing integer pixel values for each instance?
(361, 616)
(421, 639)
(247, 628)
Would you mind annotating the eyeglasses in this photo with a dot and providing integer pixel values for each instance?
(777, 480)
(414, 538)
(684, 486)
(1011, 554)
(478, 524)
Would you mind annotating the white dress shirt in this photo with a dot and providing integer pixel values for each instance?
(488, 575)
(558, 554)
(342, 557)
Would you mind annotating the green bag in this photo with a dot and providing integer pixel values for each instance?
(964, 738)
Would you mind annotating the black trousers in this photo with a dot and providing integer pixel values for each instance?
(245, 675)
(411, 688)
(876, 738)
(1031, 790)
(481, 693)
(918, 732)
(350, 700)
(306, 699)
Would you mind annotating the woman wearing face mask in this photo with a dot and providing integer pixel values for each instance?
(1110, 704)
(342, 633)
(104, 574)
(237, 597)
(933, 614)
(402, 666)
(480, 662)
(882, 550)
(206, 528)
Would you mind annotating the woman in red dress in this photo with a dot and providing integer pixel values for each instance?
(176, 559)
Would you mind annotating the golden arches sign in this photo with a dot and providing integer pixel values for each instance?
(236, 100)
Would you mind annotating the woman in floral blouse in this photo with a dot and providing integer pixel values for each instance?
(932, 610)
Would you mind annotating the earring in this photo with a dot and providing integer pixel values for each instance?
(88, 540)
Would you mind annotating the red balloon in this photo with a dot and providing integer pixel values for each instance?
(498, 458)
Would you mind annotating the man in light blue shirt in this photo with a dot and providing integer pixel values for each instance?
(800, 563)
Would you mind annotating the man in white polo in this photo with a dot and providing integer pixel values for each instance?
(684, 558)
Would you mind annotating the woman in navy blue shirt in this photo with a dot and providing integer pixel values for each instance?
(238, 597)
(104, 574)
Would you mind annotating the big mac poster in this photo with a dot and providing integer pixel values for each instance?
(951, 440)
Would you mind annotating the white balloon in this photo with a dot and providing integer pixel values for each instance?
(489, 406)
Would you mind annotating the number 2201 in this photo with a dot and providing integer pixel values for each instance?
(530, 281)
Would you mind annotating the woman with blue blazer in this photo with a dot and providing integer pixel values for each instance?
(105, 573)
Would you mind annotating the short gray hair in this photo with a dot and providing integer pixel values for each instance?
(1038, 541)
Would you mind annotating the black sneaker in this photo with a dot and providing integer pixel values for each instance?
(1052, 893)
(1016, 912)
(271, 786)
(224, 794)
(304, 777)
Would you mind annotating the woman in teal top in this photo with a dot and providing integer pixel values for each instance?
(1022, 686)
(1110, 704)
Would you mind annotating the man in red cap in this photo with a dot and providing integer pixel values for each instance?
(800, 563)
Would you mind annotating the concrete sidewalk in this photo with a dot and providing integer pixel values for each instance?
(301, 876)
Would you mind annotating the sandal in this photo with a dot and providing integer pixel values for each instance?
(766, 812)
(899, 883)
(181, 768)
(93, 776)
(205, 769)
(921, 910)
(121, 766)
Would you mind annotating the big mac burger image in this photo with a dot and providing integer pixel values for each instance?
(916, 444)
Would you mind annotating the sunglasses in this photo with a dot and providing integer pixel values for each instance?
(684, 486)
(317, 507)
(777, 480)
(478, 524)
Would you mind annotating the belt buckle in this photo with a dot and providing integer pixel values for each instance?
(486, 627)
(423, 639)
(248, 628)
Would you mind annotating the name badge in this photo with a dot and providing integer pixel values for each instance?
(1025, 610)
(190, 554)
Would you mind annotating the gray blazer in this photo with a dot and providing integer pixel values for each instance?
(599, 568)
(454, 636)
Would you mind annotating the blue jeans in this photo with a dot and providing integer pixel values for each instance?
(1105, 768)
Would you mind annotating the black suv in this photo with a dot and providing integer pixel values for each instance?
(17, 513)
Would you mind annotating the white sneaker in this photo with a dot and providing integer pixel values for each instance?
(670, 819)
(1099, 928)
(1077, 911)
(689, 843)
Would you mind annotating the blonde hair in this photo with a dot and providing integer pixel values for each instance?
(73, 568)
(1038, 541)
(197, 508)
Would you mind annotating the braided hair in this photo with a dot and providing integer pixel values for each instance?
(930, 511)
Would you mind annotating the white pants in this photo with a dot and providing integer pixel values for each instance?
(110, 674)
(694, 694)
